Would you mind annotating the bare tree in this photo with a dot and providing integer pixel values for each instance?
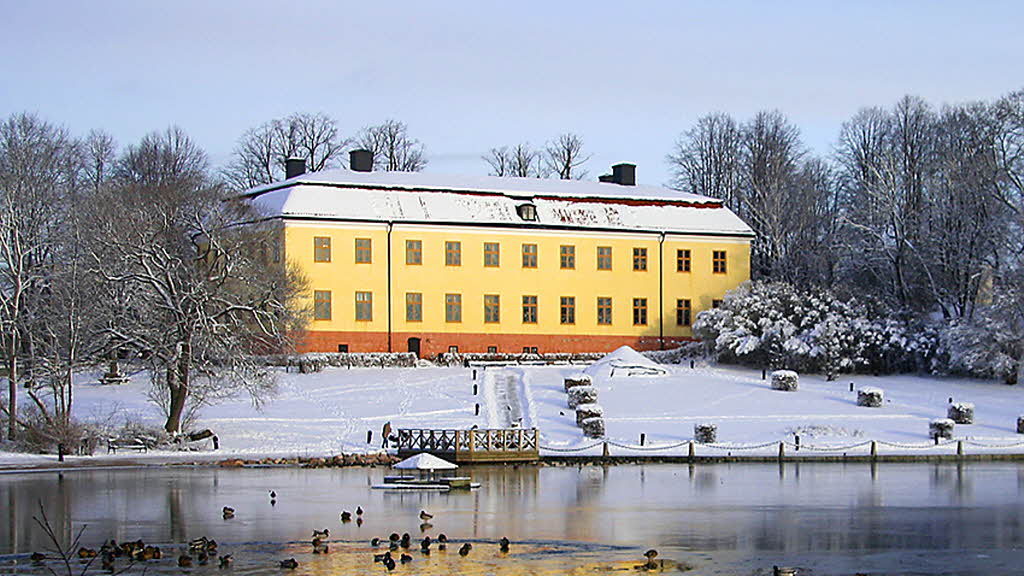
(520, 161)
(39, 166)
(393, 150)
(564, 156)
(191, 293)
(260, 154)
(99, 155)
(706, 159)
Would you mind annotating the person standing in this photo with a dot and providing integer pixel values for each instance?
(386, 433)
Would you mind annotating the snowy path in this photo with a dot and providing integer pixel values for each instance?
(504, 404)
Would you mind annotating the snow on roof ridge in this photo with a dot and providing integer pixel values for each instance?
(504, 185)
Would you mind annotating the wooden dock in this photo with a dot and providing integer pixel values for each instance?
(465, 446)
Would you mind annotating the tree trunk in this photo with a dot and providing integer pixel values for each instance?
(178, 383)
(12, 390)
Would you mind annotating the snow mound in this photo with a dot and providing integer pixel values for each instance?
(625, 363)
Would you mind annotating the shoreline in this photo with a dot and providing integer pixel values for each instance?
(353, 461)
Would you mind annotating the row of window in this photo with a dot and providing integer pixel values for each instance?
(492, 255)
(492, 308)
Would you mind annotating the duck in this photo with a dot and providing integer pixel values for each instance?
(424, 515)
(406, 540)
(442, 537)
(107, 562)
(84, 552)
(393, 537)
(464, 550)
(184, 560)
(359, 510)
(359, 520)
(503, 544)
(229, 512)
(37, 557)
(375, 542)
(273, 495)
(405, 559)
(226, 560)
(325, 533)
(203, 558)
(389, 563)
(426, 542)
(290, 564)
(392, 546)
(346, 516)
(426, 526)
(157, 554)
(382, 557)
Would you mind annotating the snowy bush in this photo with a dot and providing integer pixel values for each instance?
(773, 324)
(584, 411)
(582, 395)
(314, 360)
(578, 379)
(941, 428)
(991, 345)
(785, 380)
(593, 427)
(705, 433)
(961, 413)
(870, 397)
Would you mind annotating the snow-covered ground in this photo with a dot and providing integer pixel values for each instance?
(330, 412)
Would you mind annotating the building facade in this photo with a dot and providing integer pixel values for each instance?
(433, 264)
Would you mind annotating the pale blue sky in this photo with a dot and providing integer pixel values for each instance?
(626, 76)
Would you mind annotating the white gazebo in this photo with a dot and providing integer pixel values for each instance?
(427, 464)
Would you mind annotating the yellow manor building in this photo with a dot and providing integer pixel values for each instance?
(433, 263)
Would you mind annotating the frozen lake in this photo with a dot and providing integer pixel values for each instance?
(720, 519)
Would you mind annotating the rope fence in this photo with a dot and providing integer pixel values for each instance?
(796, 446)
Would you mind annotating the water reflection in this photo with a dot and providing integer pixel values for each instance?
(731, 515)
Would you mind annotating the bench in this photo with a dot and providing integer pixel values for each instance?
(115, 444)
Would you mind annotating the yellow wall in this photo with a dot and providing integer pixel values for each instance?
(343, 277)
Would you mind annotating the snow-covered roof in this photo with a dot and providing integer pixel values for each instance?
(424, 461)
(627, 362)
(435, 198)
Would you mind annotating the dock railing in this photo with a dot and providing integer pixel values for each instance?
(474, 445)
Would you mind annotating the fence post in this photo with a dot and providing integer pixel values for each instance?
(874, 451)
(643, 438)
(851, 386)
(369, 436)
(691, 453)
(782, 450)
(797, 448)
(472, 441)
(477, 409)
(604, 450)
(474, 389)
(764, 374)
(960, 448)
(457, 443)
(474, 373)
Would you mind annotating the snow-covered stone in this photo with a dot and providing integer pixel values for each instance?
(584, 411)
(785, 380)
(705, 433)
(593, 427)
(870, 397)
(961, 412)
(578, 379)
(941, 428)
(582, 395)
